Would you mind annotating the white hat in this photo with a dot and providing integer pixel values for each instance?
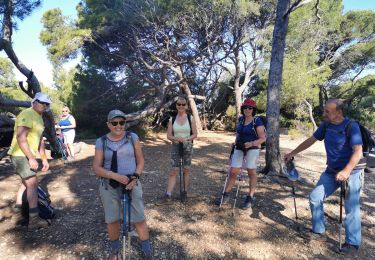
(43, 97)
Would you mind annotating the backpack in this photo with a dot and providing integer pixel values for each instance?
(264, 121)
(46, 211)
(189, 120)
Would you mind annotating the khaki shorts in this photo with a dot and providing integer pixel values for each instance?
(111, 199)
(22, 166)
(250, 160)
(187, 155)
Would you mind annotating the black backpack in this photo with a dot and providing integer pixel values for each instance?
(264, 121)
(46, 211)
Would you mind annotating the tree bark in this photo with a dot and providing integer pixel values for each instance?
(273, 158)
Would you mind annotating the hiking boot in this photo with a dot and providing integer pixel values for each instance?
(36, 222)
(225, 200)
(349, 249)
(148, 256)
(166, 200)
(318, 236)
(17, 217)
(248, 202)
(184, 196)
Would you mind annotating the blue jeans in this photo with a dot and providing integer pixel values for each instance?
(327, 185)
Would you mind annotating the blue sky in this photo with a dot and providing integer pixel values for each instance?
(30, 51)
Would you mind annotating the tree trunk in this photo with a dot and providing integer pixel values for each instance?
(273, 158)
(310, 113)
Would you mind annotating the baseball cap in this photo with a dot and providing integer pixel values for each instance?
(115, 113)
(43, 97)
(249, 102)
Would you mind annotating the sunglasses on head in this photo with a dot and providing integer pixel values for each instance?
(42, 103)
(247, 107)
(115, 123)
(181, 104)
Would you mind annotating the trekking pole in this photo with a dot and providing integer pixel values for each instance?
(239, 180)
(129, 222)
(227, 177)
(124, 229)
(294, 198)
(181, 151)
(342, 195)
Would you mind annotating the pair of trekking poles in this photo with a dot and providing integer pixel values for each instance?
(183, 195)
(240, 179)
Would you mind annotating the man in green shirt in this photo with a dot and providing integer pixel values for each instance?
(27, 141)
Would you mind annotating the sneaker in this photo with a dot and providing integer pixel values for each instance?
(225, 200)
(37, 222)
(318, 236)
(248, 202)
(349, 249)
(184, 196)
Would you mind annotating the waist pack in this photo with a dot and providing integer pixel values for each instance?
(46, 211)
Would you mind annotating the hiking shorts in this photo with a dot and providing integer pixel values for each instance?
(22, 166)
(187, 155)
(250, 160)
(112, 202)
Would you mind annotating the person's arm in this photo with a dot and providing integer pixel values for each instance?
(21, 136)
(140, 165)
(344, 174)
(72, 124)
(43, 156)
(194, 130)
(101, 172)
(303, 146)
(261, 137)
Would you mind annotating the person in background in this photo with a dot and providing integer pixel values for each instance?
(67, 125)
(180, 132)
(114, 174)
(27, 141)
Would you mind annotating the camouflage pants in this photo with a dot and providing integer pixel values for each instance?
(187, 154)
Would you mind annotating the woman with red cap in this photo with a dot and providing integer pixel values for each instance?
(250, 134)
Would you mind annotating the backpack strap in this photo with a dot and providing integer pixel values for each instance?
(254, 126)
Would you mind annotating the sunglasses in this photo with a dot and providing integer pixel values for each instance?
(65, 110)
(42, 103)
(250, 108)
(181, 104)
(115, 123)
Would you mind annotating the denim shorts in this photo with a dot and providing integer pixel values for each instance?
(22, 166)
(112, 197)
(250, 160)
(187, 154)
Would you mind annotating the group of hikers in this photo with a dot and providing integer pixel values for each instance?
(119, 162)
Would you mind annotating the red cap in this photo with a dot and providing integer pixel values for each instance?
(249, 102)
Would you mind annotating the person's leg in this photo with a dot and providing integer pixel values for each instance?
(253, 179)
(31, 185)
(352, 210)
(70, 147)
(324, 188)
(232, 179)
(66, 144)
(20, 192)
(172, 180)
(186, 178)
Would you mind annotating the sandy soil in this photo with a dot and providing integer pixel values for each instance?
(195, 230)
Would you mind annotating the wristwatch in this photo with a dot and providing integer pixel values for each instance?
(136, 175)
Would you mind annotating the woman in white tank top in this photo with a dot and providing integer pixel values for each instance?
(182, 133)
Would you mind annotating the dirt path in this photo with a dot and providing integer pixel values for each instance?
(196, 230)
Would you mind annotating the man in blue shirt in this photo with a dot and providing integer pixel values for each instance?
(344, 151)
